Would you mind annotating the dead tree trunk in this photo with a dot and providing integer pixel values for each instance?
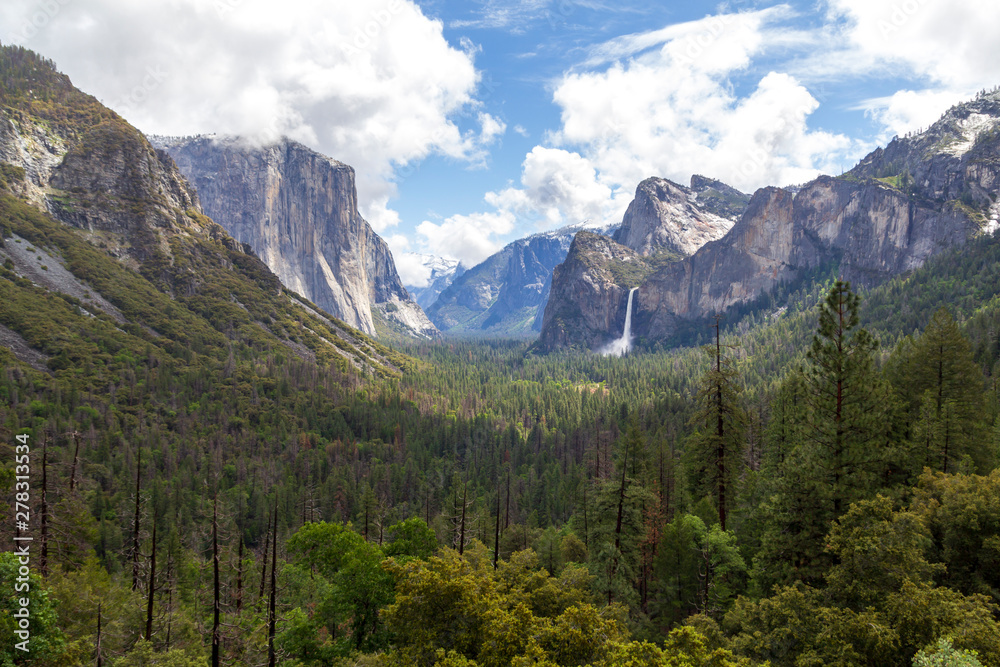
(271, 622)
(135, 524)
(215, 571)
(152, 585)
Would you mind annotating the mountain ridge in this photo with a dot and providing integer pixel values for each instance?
(110, 225)
(506, 293)
(898, 207)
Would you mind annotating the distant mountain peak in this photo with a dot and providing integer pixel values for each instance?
(669, 217)
(506, 293)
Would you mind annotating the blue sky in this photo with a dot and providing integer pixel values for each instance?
(470, 124)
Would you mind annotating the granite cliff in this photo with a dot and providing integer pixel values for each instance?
(92, 170)
(506, 293)
(297, 209)
(899, 206)
(589, 293)
(97, 219)
(665, 216)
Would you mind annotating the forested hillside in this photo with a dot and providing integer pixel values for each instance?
(220, 474)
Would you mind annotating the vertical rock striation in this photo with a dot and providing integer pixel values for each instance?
(298, 210)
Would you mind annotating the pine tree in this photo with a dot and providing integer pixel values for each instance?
(716, 447)
(829, 443)
(942, 390)
(847, 425)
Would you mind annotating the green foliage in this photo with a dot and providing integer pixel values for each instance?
(206, 375)
(9, 174)
(698, 570)
(715, 448)
(411, 537)
(358, 586)
(945, 655)
(835, 440)
(77, 594)
(46, 643)
(877, 550)
(632, 273)
(30, 84)
(880, 604)
(144, 655)
(457, 608)
(942, 390)
(962, 514)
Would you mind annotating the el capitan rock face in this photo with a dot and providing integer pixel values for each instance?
(898, 207)
(298, 210)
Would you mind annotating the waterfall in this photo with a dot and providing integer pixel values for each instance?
(622, 345)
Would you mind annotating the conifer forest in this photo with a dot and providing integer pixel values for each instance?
(221, 474)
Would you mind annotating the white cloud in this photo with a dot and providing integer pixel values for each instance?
(558, 187)
(467, 238)
(672, 111)
(512, 15)
(412, 269)
(492, 128)
(951, 46)
(910, 110)
(658, 104)
(339, 75)
(953, 43)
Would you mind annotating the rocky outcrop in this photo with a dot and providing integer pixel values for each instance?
(104, 178)
(956, 158)
(898, 207)
(716, 197)
(121, 233)
(506, 293)
(32, 147)
(589, 296)
(665, 216)
(298, 210)
(871, 231)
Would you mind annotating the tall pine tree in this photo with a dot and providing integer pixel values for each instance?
(942, 390)
(716, 446)
(832, 446)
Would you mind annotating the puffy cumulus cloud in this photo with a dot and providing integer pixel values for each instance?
(558, 187)
(952, 46)
(412, 269)
(670, 110)
(952, 43)
(467, 238)
(660, 103)
(339, 75)
(909, 110)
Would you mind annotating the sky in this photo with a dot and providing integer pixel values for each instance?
(472, 123)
